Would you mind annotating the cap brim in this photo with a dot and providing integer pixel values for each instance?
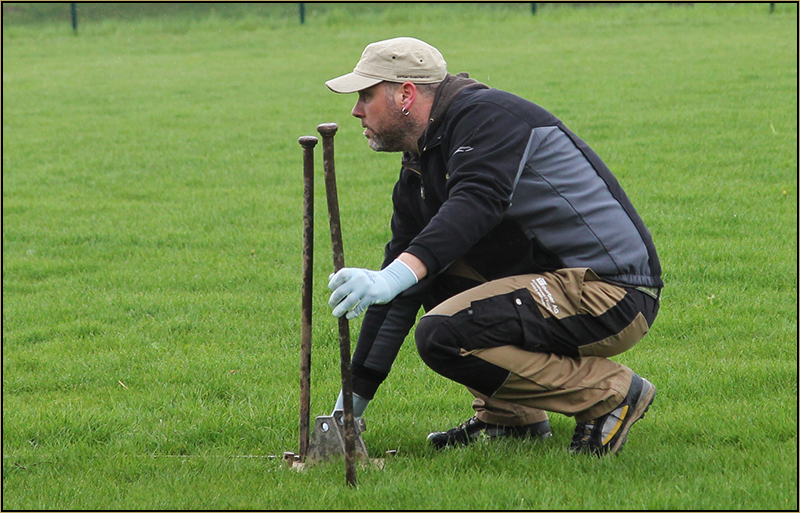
(351, 83)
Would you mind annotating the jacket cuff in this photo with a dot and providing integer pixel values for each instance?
(427, 257)
(366, 381)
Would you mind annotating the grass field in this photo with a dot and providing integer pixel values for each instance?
(152, 223)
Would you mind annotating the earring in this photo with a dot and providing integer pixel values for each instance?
(404, 111)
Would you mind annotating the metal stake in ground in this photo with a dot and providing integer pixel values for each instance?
(327, 131)
(308, 142)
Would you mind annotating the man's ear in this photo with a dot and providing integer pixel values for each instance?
(408, 94)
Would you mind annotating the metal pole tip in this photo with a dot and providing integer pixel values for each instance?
(308, 141)
(327, 129)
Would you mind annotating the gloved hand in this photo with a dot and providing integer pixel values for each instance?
(355, 289)
(359, 404)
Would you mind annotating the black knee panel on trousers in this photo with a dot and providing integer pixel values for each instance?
(438, 348)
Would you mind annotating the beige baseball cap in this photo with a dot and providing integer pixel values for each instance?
(402, 59)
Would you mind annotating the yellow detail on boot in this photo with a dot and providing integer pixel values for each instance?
(621, 418)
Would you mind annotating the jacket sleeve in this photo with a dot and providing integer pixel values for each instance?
(485, 144)
(385, 327)
(383, 331)
(405, 226)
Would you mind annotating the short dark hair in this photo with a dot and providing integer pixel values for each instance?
(425, 89)
(428, 89)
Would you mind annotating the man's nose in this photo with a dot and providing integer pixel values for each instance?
(357, 111)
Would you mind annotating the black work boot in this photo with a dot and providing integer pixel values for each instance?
(469, 431)
(608, 433)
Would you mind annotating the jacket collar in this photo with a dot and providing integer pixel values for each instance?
(451, 86)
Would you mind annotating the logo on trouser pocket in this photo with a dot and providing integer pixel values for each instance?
(539, 285)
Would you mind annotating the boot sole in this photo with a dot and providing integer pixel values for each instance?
(491, 433)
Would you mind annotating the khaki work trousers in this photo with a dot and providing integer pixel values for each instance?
(528, 344)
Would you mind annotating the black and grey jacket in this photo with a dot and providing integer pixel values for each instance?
(502, 186)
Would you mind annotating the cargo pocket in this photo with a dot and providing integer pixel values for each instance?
(493, 310)
(506, 319)
(490, 322)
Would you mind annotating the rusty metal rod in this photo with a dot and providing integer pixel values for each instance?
(327, 131)
(308, 142)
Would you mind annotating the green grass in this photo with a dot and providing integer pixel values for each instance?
(152, 224)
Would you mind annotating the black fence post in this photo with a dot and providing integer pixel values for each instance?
(73, 11)
(302, 13)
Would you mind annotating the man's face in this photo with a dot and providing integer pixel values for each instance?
(385, 126)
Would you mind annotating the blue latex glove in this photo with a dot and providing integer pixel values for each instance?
(355, 289)
(359, 404)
